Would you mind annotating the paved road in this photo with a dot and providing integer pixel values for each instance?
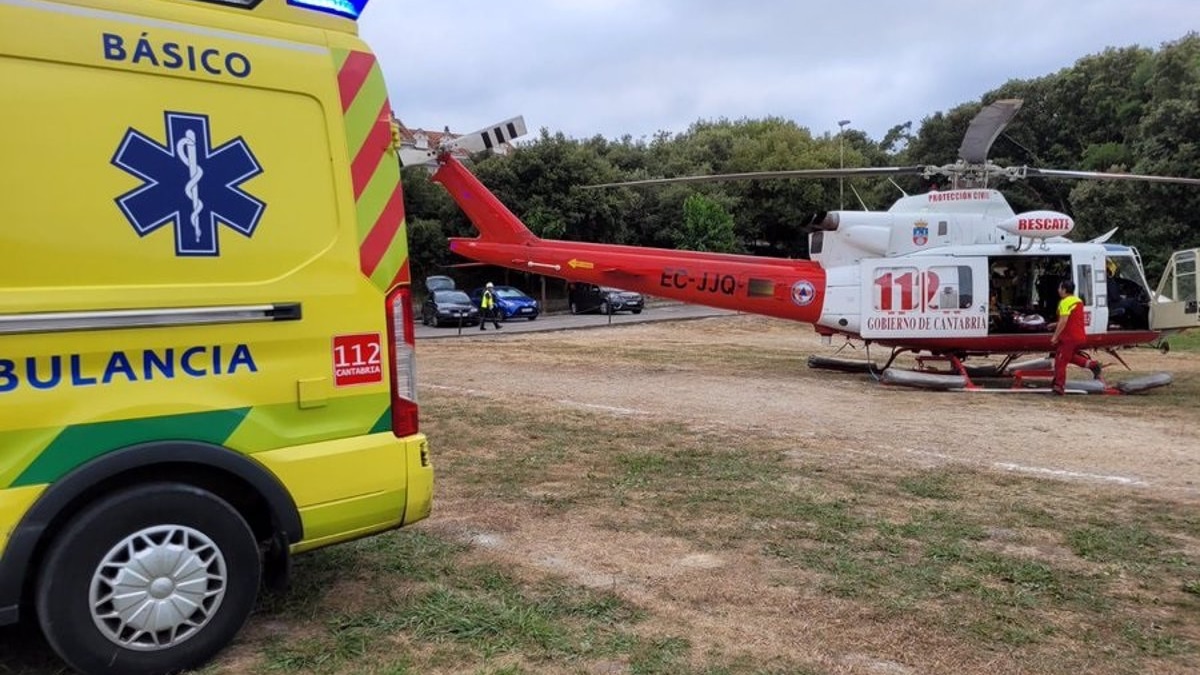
(547, 322)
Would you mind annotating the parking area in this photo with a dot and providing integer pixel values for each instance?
(655, 311)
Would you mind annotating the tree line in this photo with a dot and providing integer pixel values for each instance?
(1131, 109)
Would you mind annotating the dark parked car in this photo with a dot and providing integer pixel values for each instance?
(604, 299)
(512, 302)
(450, 308)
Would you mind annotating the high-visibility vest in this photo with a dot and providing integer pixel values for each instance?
(487, 302)
(1072, 308)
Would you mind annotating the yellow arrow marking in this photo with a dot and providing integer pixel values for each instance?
(576, 264)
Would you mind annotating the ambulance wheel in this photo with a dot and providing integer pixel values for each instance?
(153, 579)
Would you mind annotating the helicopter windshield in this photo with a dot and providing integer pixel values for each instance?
(1125, 267)
(1128, 293)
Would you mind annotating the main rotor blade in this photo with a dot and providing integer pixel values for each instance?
(985, 128)
(1098, 175)
(773, 175)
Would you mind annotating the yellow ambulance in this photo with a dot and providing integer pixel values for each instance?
(206, 328)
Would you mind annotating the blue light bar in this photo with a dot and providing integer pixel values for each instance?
(351, 9)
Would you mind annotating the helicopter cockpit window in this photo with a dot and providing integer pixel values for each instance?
(1128, 295)
(1185, 276)
(1168, 285)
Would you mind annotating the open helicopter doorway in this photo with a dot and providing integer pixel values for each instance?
(1023, 294)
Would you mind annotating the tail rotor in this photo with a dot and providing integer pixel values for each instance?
(488, 138)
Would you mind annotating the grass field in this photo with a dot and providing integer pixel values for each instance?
(1187, 342)
(1054, 577)
(1058, 578)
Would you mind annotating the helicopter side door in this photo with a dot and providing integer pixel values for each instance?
(1092, 288)
(1175, 303)
(924, 297)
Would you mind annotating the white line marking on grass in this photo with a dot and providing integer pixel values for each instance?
(575, 404)
(460, 390)
(1123, 480)
(605, 408)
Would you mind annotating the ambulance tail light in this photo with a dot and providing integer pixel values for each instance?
(402, 363)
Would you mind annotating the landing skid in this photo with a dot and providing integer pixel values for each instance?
(842, 365)
(947, 372)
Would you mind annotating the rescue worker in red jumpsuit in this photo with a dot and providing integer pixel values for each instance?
(1069, 336)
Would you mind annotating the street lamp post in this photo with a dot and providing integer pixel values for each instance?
(842, 161)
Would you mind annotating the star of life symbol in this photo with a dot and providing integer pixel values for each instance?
(189, 184)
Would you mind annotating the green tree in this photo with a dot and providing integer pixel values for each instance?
(707, 226)
(428, 249)
(1124, 109)
(542, 184)
(1163, 139)
(423, 198)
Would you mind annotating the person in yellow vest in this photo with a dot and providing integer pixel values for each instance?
(1069, 336)
(488, 308)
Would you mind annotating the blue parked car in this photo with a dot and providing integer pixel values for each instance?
(512, 302)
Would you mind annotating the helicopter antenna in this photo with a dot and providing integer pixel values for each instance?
(1033, 155)
(859, 198)
(893, 182)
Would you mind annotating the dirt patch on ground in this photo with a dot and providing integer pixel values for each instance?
(1103, 440)
(726, 603)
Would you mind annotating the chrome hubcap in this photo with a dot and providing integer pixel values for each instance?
(158, 587)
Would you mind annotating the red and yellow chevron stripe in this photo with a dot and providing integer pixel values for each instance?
(382, 234)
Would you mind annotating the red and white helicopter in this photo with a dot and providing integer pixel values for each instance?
(945, 275)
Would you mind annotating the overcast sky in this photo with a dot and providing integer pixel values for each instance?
(615, 67)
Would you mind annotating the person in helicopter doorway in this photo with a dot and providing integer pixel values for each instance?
(1069, 336)
(488, 308)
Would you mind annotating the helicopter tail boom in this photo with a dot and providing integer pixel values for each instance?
(495, 222)
(791, 289)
